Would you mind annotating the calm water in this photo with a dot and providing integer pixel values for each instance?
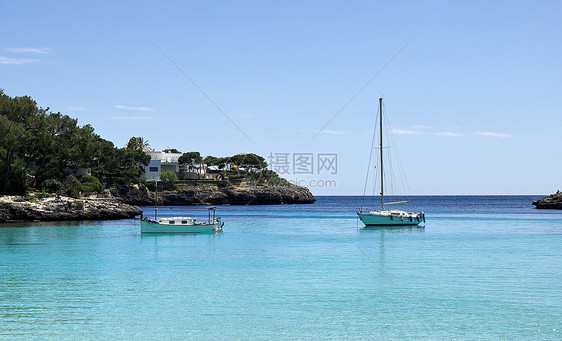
(482, 268)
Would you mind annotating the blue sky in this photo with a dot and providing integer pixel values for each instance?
(473, 96)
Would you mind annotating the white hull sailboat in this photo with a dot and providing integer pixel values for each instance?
(391, 217)
(385, 217)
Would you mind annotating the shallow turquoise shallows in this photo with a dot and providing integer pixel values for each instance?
(481, 268)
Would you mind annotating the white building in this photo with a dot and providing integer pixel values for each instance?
(161, 162)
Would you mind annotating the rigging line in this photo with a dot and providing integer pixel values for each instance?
(388, 172)
(201, 90)
(376, 178)
(373, 262)
(405, 187)
(360, 90)
(401, 172)
(182, 268)
(370, 157)
(376, 184)
(390, 175)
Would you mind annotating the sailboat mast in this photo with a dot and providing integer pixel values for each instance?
(380, 146)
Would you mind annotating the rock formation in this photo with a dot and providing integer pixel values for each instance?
(251, 195)
(553, 201)
(132, 194)
(16, 208)
(118, 202)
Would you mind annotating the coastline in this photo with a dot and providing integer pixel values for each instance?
(122, 203)
(249, 195)
(552, 201)
(59, 208)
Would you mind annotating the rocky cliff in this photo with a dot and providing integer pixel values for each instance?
(252, 195)
(16, 208)
(553, 201)
(119, 201)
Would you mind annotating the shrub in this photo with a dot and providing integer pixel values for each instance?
(52, 186)
(44, 194)
(72, 187)
(151, 185)
(91, 184)
(168, 178)
(224, 184)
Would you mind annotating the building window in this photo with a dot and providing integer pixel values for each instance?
(154, 169)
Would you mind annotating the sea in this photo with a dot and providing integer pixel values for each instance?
(482, 268)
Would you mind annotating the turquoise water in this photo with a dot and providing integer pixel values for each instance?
(481, 268)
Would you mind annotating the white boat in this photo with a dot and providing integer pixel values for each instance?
(182, 224)
(385, 217)
(391, 217)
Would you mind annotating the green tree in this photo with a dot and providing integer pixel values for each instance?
(18, 109)
(168, 178)
(193, 160)
(50, 146)
(12, 137)
(72, 187)
(52, 186)
(210, 160)
(138, 143)
(125, 165)
(249, 162)
(53, 145)
(171, 150)
(190, 158)
(91, 184)
(13, 178)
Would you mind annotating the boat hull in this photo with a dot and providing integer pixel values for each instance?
(402, 219)
(154, 227)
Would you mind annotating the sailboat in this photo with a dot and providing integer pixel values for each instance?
(384, 217)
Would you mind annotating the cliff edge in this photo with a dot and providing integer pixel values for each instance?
(20, 208)
(553, 201)
(251, 195)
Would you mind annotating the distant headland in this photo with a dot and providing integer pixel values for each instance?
(553, 201)
(55, 169)
(209, 195)
(119, 202)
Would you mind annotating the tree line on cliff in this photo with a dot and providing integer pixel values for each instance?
(47, 151)
(245, 168)
(42, 149)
